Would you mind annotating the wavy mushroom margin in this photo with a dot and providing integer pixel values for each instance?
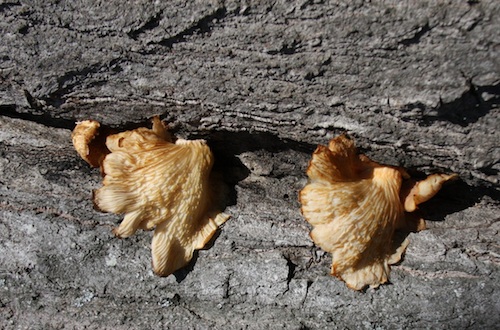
(356, 206)
(155, 183)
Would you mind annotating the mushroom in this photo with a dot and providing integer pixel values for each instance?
(356, 206)
(156, 183)
(89, 144)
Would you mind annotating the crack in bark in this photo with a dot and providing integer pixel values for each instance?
(7, 5)
(151, 24)
(71, 79)
(40, 117)
(202, 26)
(419, 33)
(291, 271)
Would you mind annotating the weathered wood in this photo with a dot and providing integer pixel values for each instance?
(416, 84)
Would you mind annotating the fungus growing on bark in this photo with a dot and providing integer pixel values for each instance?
(356, 205)
(156, 183)
(89, 144)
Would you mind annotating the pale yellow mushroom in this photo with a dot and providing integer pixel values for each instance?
(355, 207)
(163, 185)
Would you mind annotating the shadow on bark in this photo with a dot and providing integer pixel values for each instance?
(474, 104)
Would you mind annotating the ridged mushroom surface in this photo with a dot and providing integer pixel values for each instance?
(162, 185)
(356, 206)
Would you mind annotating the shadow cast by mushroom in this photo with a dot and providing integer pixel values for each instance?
(229, 170)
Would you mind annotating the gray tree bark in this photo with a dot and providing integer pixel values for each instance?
(415, 83)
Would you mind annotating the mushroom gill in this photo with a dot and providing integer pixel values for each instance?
(356, 205)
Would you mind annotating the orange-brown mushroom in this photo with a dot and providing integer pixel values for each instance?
(159, 184)
(355, 206)
(89, 144)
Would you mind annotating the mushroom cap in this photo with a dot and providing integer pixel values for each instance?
(160, 185)
(355, 207)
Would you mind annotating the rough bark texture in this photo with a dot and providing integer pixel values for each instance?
(415, 83)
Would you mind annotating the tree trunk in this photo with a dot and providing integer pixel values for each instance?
(416, 84)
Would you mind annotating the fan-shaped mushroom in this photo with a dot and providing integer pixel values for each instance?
(157, 184)
(355, 206)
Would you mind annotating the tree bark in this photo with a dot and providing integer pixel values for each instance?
(415, 84)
